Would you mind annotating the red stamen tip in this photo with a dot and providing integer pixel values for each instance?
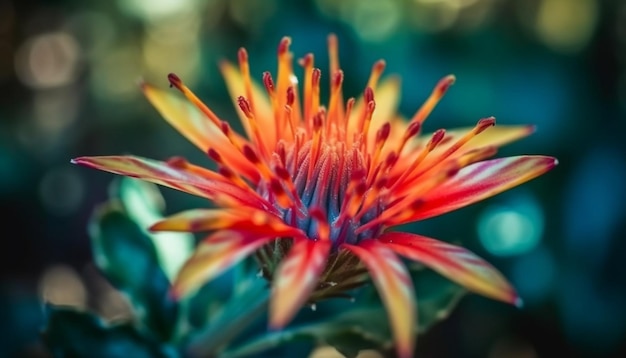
(242, 55)
(177, 162)
(338, 79)
(332, 40)
(383, 132)
(213, 154)
(283, 47)
(245, 106)
(379, 66)
(291, 97)
(307, 60)
(249, 153)
(317, 74)
(225, 127)
(392, 158)
(436, 139)
(445, 83)
(282, 172)
(175, 81)
(414, 129)
(318, 120)
(368, 95)
(485, 123)
(268, 82)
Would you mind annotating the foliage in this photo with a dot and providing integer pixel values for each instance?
(227, 317)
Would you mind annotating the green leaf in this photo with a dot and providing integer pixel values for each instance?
(128, 259)
(238, 315)
(349, 332)
(71, 333)
(145, 205)
(436, 297)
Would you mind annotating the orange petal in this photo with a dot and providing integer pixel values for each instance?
(453, 262)
(199, 129)
(213, 256)
(394, 285)
(239, 219)
(175, 177)
(295, 279)
(479, 181)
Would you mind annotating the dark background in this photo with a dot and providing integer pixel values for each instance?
(68, 87)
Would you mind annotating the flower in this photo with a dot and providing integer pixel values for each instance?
(315, 191)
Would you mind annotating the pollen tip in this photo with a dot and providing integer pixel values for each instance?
(283, 46)
(249, 153)
(307, 60)
(268, 82)
(213, 154)
(245, 106)
(338, 78)
(317, 74)
(436, 139)
(290, 96)
(379, 66)
(175, 81)
(368, 94)
(485, 123)
(444, 84)
(383, 132)
(75, 160)
(242, 55)
(413, 129)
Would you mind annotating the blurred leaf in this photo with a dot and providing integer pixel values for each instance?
(436, 297)
(70, 333)
(354, 330)
(144, 204)
(239, 315)
(128, 259)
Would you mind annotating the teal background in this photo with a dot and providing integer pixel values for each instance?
(68, 87)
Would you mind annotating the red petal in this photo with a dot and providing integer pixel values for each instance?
(213, 256)
(477, 182)
(177, 178)
(242, 219)
(453, 262)
(395, 288)
(296, 278)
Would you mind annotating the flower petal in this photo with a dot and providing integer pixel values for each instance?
(239, 219)
(453, 262)
(394, 285)
(213, 256)
(199, 129)
(477, 182)
(494, 136)
(295, 279)
(177, 178)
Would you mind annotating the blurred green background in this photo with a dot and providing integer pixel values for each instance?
(68, 87)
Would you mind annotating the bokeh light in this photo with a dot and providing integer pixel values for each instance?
(511, 229)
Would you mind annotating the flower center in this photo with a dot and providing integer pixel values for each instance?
(331, 186)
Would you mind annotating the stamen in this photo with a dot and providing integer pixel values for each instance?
(480, 127)
(175, 81)
(377, 71)
(335, 94)
(244, 105)
(307, 64)
(436, 138)
(440, 89)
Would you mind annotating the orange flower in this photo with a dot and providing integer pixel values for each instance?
(315, 191)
